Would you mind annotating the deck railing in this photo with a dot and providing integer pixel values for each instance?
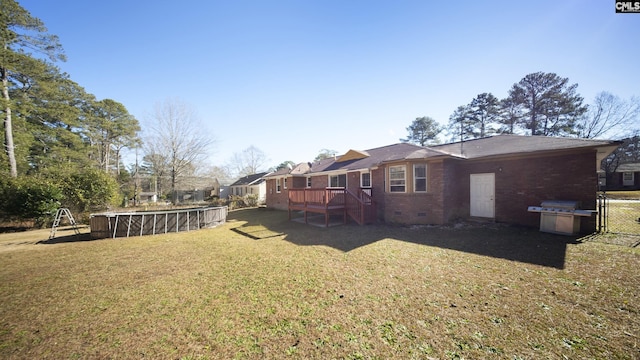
(360, 205)
(329, 197)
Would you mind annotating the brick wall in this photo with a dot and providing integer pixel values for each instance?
(353, 181)
(276, 200)
(411, 207)
(527, 181)
(519, 182)
(319, 181)
(298, 182)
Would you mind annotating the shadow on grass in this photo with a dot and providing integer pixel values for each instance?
(512, 243)
(67, 239)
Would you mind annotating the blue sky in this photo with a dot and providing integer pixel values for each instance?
(294, 77)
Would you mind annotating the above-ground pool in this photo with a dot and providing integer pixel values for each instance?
(138, 223)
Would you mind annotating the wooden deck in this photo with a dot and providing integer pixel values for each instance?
(333, 201)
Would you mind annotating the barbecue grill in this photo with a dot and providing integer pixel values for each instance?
(560, 216)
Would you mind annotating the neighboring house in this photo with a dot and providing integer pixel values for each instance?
(250, 184)
(494, 178)
(626, 177)
(189, 196)
(204, 189)
(146, 197)
(224, 192)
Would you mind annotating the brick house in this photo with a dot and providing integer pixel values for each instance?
(626, 177)
(493, 178)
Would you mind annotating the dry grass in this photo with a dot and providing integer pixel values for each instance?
(348, 292)
(624, 217)
(624, 195)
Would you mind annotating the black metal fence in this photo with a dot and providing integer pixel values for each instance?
(618, 216)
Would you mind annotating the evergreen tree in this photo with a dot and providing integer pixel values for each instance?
(475, 120)
(510, 116)
(551, 106)
(109, 128)
(460, 125)
(422, 131)
(484, 111)
(53, 112)
(25, 47)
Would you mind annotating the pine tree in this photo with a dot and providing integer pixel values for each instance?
(25, 48)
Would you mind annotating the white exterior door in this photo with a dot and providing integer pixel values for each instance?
(483, 189)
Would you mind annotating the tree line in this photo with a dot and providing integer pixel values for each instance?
(56, 135)
(63, 147)
(543, 104)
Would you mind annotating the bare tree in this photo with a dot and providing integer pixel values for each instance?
(221, 173)
(627, 152)
(250, 161)
(176, 135)
(609, 115)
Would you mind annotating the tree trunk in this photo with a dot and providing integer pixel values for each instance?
(8, 127)
(107, 147)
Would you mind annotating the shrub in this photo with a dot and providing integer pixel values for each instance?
(238, 202)
(90, 189)
(251, 200)
(28, 198)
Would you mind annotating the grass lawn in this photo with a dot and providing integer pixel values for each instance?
(624, 195)
(290, 290)
(623, 217)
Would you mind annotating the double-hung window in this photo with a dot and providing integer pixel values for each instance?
(308, 181)
(365, 180)
(277, 185)
(420, 177)
(627, 179)
(397, 178)
(338, 180)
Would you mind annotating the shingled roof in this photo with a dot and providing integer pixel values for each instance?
(377, 156)
(299, 169)
(629, 167)
(516, 144)
(252, 179)
(499, 145)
